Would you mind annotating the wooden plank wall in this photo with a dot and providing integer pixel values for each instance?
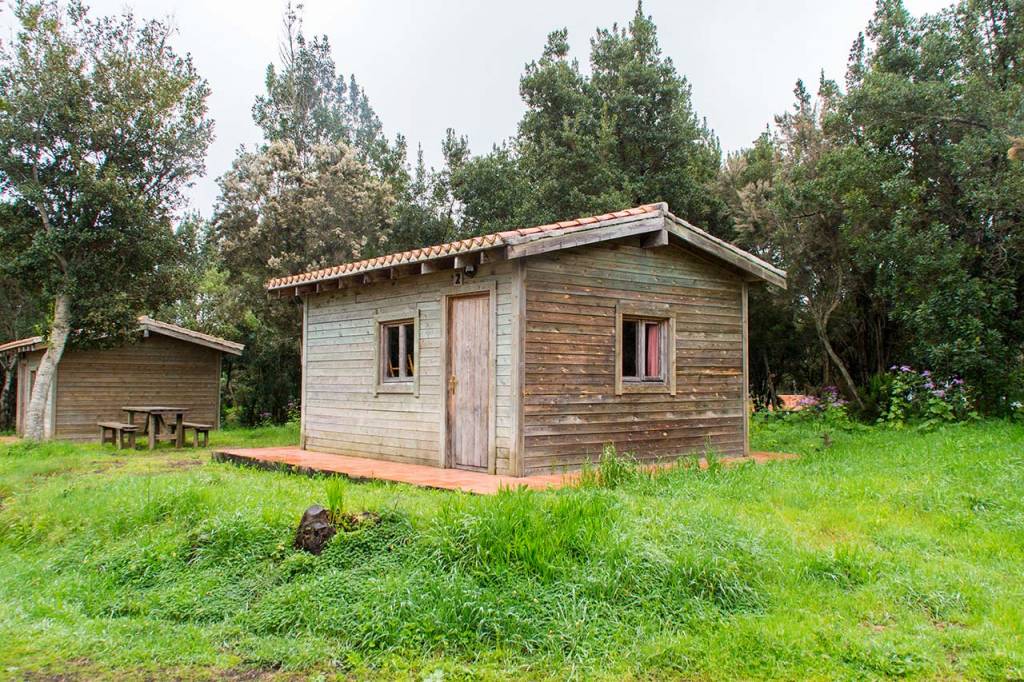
(342, 414)
(93, 385)
(570, 408)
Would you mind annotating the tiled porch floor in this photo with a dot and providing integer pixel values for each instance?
(295, 459)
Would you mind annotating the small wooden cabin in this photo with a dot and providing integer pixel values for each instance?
(527, 351)
(167, 365)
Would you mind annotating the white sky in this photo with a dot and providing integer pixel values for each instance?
(430, 66)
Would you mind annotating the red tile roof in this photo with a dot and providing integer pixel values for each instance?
(453, 248)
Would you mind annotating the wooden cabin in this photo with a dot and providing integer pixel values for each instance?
(166, 365)
(527, 351)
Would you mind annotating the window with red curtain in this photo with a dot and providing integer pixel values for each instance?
(642, 349)
(652, 365)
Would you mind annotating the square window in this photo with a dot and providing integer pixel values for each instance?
(398, 351)
(643, 349)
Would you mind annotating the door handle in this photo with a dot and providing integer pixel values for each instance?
(452, 381)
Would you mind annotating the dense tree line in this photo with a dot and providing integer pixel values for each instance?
(893, 198)
(896, 208)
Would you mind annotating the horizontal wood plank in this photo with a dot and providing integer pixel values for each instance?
(570, 407)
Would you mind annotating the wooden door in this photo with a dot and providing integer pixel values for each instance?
(26, 380)
(469, 379)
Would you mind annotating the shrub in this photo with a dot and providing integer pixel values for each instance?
(923, 398)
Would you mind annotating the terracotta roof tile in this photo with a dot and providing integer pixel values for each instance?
(452, 248)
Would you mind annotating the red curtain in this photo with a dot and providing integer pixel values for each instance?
(653, 368)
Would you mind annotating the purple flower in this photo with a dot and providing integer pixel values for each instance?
(926, 373)
(905, 368)
(958, 381)
(939, 393)
(929, 385)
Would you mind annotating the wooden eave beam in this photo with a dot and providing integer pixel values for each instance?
(328, 285)
(436, 265)
(492, 255)
(466, 260)
(405, 270)
(655, 239)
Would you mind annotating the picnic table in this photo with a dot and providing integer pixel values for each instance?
(157, 416)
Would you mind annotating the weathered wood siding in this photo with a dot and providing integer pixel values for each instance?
(93, 385)
(344, 414)
(570, 406)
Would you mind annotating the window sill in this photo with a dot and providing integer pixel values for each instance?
(396, 387)
(645, 387)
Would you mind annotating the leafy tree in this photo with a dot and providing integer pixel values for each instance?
(308, 103)
(319, 190)
(424, 212)
(101, 126)
(939, 98)
(20, 314)
(790, 201)
(624, 135)
(206, 302)
(896, 206)
(277, 215)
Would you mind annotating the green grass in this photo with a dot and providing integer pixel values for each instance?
(886, 554)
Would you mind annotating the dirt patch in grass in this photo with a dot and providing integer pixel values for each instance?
(183, 464)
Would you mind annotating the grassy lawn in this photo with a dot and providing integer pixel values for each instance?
(886, 553)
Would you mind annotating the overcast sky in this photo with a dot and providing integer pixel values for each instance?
(428, 66)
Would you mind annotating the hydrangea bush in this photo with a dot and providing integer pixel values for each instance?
(920, 396)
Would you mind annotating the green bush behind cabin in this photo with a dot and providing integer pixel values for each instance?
(885, 554)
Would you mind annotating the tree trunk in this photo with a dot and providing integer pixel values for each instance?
(59, 332)
(821, 326)
(6, 392)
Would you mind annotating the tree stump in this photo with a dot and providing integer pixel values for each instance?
(315, 530)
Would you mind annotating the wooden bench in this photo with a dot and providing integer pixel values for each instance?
(116, 433)
(196, 430)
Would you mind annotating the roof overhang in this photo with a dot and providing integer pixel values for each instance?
(147, 325)
(654, 222)
(23, 345)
